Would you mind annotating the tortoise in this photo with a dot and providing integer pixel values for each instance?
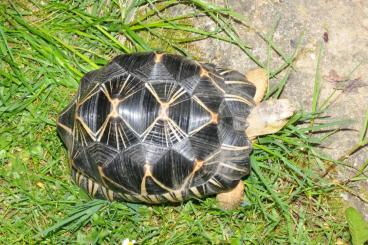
(154, 127)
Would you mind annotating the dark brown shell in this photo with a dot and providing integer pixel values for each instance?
(152, 127)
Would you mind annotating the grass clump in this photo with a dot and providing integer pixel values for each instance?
(45, 49)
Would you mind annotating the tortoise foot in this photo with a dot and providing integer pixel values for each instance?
(231, 199)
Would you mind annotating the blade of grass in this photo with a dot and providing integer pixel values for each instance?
(364, 130)
(317, 83)
(283, 206)
(81, 215)
(44, 35)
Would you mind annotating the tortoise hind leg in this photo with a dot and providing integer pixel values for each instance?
(231, 199)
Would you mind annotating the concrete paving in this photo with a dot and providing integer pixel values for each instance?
(341, 29)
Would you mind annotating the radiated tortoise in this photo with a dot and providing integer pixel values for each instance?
(156, 127)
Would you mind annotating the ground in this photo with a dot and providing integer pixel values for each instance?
(338, 28)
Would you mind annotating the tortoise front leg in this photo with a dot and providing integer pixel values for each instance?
(231, 199)
(259, 78)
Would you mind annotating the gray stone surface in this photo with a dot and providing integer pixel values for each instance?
(345, 25)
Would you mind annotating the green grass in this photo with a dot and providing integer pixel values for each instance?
(46, 48)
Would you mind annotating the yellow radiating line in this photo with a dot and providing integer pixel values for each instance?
(121, 132)
(147, 173)
(149, 128)
(85, 140)
(130, 127)
(102, 129)
(234, 148)
(195, 191)
(127, 197)
(154, 198)
(232, 167)
(116, 136)
(161, 185)
(167, 134)
(142, 198)
(110, 194)
(131, 92)
(168, 197)
(85, 126)
(176, 127)
(153, 92)
(177, 95)
(178, 195)
(77, 177)
(170, 90)
(108, 134)
(106, 92)
(82, 138)
(104, 177)
(200, 103)
(67, 109)
(216, 85)
(224, 72)
(198, 129)
(89, 186)
(214, 74)
(237, 82)
(69, 130)
(124, 84)
(76, 134)
(178, 133)
(189, 178)
(89, 95)
(231, 97)
(104, 192)
(196, 99)
(212, 156)
(95, 188)
(181, 101)
(215, 182)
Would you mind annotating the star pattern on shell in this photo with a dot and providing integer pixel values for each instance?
(153, 127)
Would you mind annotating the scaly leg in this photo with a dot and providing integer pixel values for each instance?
(231, 199)
(260, 80)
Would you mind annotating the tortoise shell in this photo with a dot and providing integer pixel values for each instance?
(155, 127)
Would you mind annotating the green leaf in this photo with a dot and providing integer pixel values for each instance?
(357, 225)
